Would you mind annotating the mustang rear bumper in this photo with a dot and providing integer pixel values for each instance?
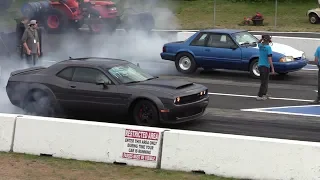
(167, 56)
(185, 112)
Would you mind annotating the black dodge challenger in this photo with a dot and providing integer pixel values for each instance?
(105, 86)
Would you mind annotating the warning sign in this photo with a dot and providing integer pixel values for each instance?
(141, 145)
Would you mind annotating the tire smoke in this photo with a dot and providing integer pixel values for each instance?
(138, 47)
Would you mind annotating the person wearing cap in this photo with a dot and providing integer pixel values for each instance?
(264, 65)
(30, 41)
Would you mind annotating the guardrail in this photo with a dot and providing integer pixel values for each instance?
(307, 45)
(220, 154)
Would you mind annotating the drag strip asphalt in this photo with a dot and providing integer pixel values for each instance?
(229, 95)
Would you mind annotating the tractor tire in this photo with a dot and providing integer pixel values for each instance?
(5, 4)
(55, 21)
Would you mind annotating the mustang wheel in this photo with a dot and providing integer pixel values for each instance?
(254, 71)
(145, 113)
(185, 63)
(38, 103)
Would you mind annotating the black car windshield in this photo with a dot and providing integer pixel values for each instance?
(244, 38)
(129, 73)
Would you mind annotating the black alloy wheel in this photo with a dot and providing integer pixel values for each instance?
(145, 113)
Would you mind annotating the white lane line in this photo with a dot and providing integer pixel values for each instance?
(306, 69)
(249, 96)
(279, 112)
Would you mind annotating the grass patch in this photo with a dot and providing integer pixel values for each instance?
(20, 166)
(198, 14)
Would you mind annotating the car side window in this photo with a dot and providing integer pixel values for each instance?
(66, 73)
(200, 40)
(220, 41)
(89, 75)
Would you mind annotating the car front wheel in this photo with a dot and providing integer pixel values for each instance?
(313, 18)
(254, 70)
(185, 63)
(145, 113)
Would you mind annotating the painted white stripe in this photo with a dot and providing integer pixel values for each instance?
(249, 96)
(307, 69)
(283, 107)
(285, 113)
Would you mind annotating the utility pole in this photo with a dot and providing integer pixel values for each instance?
(276, 13)
(214, 13)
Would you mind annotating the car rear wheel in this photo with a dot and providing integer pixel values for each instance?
(313, 18)
(145, 113)
(254, 70)
(39, 104)
(185, 63)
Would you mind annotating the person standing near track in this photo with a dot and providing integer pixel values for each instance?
(264, 65)
(316, 59)
(20, 28)
(30, 41)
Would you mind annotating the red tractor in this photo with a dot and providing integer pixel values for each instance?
(58, 16)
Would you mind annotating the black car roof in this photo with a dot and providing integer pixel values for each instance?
(95, 61)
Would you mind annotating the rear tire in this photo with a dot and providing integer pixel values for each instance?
(185, 63)
(145, 113)
(38, 103)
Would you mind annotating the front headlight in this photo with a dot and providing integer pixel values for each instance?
(176, 100)
(287, 59)
(304, 56)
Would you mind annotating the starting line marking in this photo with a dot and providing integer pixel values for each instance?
(249, 96)
(265, 110)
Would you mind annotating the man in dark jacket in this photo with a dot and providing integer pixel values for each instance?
(20, 28)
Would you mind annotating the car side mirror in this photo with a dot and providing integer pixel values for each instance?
(102, 82)
(234, 46)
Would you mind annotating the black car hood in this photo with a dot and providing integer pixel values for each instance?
(171, 86)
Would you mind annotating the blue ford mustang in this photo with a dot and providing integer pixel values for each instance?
(229, 49)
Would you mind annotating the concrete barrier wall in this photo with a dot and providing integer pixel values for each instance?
(307, 45)
(91, 141)
(240, 156)
(219, 154)
(7, 127)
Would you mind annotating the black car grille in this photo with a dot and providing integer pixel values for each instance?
(190, 112)
(186, 113)
(297, 59)
(192, 98)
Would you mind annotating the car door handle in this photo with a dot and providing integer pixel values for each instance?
(208, 50)
(73, 86)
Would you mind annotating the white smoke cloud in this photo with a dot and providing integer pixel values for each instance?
(135, 46)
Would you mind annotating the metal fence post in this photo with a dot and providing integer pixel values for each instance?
(214, 13)
(275, 14)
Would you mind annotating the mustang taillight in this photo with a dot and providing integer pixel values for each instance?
(163, 49)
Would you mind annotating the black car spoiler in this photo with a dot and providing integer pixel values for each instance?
(28, 70)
